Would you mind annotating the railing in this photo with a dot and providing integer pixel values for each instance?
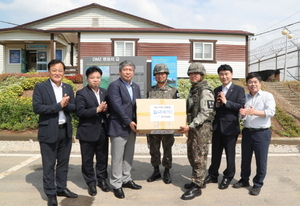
(71, 70)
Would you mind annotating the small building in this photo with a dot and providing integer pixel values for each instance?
(95, 30)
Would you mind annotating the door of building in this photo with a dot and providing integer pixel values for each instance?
(31, 60)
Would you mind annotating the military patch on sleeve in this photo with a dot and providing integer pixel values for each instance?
(210, 104)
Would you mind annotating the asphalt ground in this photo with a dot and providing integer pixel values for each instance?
(21, 182)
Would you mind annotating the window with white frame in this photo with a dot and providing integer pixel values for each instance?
(124, 48)
(203, 51)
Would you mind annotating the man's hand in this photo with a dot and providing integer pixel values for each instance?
(132, 126)
(184, 129)
(221, 99)
(102, 107)
(65, 100)
(243, 111)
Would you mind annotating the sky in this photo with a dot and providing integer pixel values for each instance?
(255, 16)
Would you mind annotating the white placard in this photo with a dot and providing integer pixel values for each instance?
(161, 113)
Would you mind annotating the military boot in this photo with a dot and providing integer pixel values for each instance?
(156, 174)
(167, 176)
(195, 191)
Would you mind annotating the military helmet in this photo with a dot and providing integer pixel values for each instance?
(160, 68)
(196, 68)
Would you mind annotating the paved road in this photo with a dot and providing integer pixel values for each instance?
(21, 184)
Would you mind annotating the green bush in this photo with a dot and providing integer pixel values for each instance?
(288, 123)
(30, 82)
(16, 114)
(184, 85)
(15, 89)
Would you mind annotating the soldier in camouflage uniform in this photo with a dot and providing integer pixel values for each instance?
(162, 90)
(200, 108)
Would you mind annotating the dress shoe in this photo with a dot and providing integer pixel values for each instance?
(210, 179)
(131, 184)
(167, 176)
(255, 190)
(52, 200)
(103, 185)
(190, 185)
(119, 193)
(192, 193)
(92, 190)
(241, 183)
(224, 183)
(156, 175)
(67, 193)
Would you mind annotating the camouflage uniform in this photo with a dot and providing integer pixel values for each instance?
(200, 107)
(167, 92)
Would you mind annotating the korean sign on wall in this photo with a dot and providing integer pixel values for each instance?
(110, 68)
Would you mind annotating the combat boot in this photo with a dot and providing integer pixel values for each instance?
(167, 176)
(156, 174)
(192, 193)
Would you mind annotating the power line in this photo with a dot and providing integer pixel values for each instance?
(277, 28)
(9, 23)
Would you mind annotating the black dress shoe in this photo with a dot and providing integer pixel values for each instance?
(190, 185)
(119, 193)
(192, 193)
(241, 183)
(52, 200)
(224, 184)
(255, 190)
(156, 175)
(131, 184)
(92, 190)
(103, 185)
(67, 193)
(167, 176)
(210, 179)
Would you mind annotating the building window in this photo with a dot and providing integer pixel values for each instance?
(202, 51)
(124, 47)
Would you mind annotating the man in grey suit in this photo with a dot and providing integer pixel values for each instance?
(122, 94)
(53, 101)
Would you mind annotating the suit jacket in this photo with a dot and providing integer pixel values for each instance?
(44, 104)
(90, 122)
(122, 110)
(227, 116)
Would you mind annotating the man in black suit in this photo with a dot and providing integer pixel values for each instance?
(53, 101)
(229, 99)
(92, 133)
(122, 94)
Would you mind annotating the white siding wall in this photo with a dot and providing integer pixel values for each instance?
(24, 36)
(1, 59)
(11, 68)
(238, 67)
(85, 19)
(163, 38)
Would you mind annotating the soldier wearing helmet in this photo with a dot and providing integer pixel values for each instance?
(200, 109)
(162, 90)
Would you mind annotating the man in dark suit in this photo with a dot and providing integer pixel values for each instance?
(229, 98)
(122, 94)
(53, 101)
(92, 130)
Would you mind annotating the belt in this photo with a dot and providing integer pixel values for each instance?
(256, 129)
(62, 126)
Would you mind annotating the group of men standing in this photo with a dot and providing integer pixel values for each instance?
(218, 111)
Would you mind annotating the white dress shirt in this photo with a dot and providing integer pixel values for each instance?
(58, 91)
(262, 101)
